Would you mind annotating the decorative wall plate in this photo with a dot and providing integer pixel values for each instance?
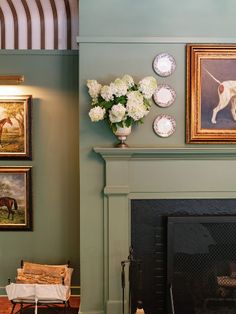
(164, 95)
(164, 125)
(164, 64)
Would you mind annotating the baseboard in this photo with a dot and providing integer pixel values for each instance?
(115, 307)
(91, 312)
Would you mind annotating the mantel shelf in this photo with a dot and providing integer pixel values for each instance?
(166, 153)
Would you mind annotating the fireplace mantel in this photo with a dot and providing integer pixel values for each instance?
(154, 173)
(168, 153)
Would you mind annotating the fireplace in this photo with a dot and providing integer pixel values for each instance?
(187, 253)
(199, 180)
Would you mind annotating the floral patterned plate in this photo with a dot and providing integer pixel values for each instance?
(164, 95)
(164, 125)
(164, 64)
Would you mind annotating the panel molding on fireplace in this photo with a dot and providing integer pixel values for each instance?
(116, 190)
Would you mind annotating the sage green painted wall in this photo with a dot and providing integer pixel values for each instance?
(51, 78)
(119, 37)
(212, 18)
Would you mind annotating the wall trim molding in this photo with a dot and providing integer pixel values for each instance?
(39, 52)
(154, 40)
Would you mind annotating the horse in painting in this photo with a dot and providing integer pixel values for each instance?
(2, 122)
(11, 205)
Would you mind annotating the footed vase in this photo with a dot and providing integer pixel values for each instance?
(122, 133)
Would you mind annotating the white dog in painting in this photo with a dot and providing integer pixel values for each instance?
(227, 93)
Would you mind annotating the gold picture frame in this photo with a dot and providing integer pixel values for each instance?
(15, 127)
(15, 199)
(211, 93)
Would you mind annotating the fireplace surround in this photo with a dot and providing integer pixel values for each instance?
(149, 173)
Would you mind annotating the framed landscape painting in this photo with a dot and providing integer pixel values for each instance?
(15, 199)
(211, 93)
(15, 127)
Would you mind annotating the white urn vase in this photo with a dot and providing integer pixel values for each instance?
(122, 133)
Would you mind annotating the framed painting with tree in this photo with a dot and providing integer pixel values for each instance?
(15, 127)
(15, 199)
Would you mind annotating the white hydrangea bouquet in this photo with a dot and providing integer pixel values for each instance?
(122, 103)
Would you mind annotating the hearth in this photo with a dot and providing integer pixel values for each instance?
(187, 249)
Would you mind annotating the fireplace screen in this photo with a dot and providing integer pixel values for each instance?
(201, 264)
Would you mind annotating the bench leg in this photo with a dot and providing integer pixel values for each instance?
(13, 307)
(21, 308)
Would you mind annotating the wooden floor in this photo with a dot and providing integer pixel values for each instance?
(6, 306)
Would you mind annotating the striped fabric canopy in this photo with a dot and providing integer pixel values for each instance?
(38, 24)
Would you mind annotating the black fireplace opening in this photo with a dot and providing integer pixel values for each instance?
(186, 253)
(201, 259)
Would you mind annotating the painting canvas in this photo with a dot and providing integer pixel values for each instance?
(15, 127)
(211, 94)
(15, 198)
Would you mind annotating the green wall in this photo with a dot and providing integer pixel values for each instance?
(124, 36)
(51, 78)
(212, 18)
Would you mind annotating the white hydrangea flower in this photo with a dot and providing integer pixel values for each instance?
(147, 86)
(97, 113)
(129, 81)
(137, 112)
(117, 113)
(119, 87)
(94, 89)
(135, 106)
(107, 93)
(135, 97)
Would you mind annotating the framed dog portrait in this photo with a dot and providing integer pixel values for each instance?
(15, 199)
(211, 93)
(15, 127)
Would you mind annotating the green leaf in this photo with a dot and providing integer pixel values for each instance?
(141, 121)
(146, 103)
(106, 104)
(113, 127)
(128, 121)
(134, 88)
(100, 99)
(122, 100)
(120, 124)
